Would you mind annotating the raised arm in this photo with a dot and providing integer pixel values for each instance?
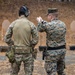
(41, 24)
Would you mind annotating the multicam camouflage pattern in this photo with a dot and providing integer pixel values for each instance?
(55, 36)
(25, 36)
(28, 64)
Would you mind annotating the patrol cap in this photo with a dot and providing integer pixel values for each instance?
(52, 10)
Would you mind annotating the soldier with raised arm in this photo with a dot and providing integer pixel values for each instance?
(55, 40)
(25, 37)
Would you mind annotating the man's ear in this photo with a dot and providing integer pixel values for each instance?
(26, 14)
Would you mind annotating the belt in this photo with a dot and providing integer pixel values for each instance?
(22, 49)
(56, 48)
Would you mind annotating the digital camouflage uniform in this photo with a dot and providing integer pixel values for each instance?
(25, 36)
(55, 36)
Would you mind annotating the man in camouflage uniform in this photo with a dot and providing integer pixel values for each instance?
(55, 34)
(25, 36)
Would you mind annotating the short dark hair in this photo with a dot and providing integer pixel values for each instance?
(55, 14)
(21, 13)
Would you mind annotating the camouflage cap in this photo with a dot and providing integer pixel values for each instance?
(52, 10)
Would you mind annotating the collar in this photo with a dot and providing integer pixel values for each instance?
(54, 19)
(22, 16)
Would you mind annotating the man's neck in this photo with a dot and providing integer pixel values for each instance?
(54, 18)
(22, 16)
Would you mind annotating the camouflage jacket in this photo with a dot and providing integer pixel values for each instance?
(55, 32)
(24, 33)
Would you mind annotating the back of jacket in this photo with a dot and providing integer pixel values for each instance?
(22, 32)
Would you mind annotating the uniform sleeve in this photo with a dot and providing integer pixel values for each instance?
(34, 33)
(8, 35)
(65, 30)
(42, 26)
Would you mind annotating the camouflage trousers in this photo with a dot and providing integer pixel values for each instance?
(55, 62)
(27, 59)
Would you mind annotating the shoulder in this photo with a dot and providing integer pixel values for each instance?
(62, 23)
(12, 24)
(49, 24)
(58, 23)
(32, 25)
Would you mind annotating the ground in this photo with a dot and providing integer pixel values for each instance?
(38, 64)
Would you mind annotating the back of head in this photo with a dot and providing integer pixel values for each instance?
(24, 11)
